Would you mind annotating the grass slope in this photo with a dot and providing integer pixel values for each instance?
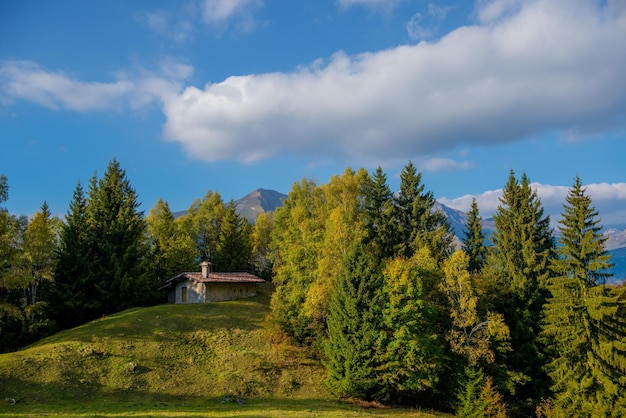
(170, 360)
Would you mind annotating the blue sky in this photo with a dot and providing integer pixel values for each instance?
(243, 94)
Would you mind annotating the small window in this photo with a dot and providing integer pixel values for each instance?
(183, 294)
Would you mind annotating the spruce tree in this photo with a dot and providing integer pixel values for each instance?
(520, 262)
(116, 234)
(73, 299)
(234, 251)
(474, 240)
(380, 216)
(418, 224)
(354, 327)
(584, 320)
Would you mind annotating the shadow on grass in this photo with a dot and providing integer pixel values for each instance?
(50, 400)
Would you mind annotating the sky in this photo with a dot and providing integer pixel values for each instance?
(235, 95)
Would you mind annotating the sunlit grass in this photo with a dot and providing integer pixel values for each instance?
(171, 361)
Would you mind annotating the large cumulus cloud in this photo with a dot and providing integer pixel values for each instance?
(525, 68)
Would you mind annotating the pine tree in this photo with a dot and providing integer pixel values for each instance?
(418, 224)
(354, 327)
(584, 320)
(72, 298)
(474, 240)
(520, 262)
(380, 216)
(234, 251)
(116, 237)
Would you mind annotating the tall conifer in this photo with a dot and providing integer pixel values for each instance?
(584, 320)
(520, 261)
(354, 326)
(116, 228)
(73, 299)
(474, 240)
(418, 224)
(379, 214)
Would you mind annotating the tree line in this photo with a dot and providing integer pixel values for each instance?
(105, 255)
(369, 281)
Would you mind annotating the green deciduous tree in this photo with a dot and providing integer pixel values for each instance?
(296, 243)
(260, 239)
(203, 221)
(36, 266)
(410, 352)
(474, 335)
(343, 228)
(11, 291)
(584, 320)
(172, 249)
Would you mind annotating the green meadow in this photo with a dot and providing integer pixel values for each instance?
(196, 360)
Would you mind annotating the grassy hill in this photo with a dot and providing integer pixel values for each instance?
(170, 360)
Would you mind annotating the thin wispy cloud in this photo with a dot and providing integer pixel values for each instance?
(59, 90)
(237, 13)
(425, 27)
(177, 28)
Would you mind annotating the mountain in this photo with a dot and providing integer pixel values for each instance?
(458, 219)
(618, 258)
(615, 238)
(259, 201)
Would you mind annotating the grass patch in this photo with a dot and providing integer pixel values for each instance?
(211, 359)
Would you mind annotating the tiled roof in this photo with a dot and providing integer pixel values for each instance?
(238, 277)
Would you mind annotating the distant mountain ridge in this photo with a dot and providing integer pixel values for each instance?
(259, 201)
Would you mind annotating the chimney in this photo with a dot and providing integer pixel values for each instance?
(205, 269)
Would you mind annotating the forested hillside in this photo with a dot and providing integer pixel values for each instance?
(369, 281)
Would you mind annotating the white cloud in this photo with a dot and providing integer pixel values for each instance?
(177, 28)
(608, 199)
(25, 80)
(551, 65)
(416, 29)
(224, 12)
(422, 27)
